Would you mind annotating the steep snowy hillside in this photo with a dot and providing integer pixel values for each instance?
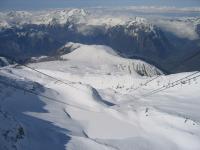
(87, 100)
(103, 56)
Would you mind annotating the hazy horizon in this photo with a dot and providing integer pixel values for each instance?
(49, 4)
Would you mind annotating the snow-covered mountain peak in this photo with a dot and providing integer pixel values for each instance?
(80, 12)
(140, 20)
(85, 17)
(60, 16)
(73, 15)
(100, 55)
(18, 14)
(96, 54)
(4, 23)
(16, 18)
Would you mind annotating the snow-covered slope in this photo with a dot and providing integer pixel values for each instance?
(103, 56)
(93, 105)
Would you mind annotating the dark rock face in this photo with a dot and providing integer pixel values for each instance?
(158, 47)
(5, 62)
(149, 43)
(198, 29)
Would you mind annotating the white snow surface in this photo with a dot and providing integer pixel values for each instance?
(97, 107)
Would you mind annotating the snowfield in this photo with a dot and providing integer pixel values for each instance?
(94, 105)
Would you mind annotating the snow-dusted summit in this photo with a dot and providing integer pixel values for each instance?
(104, 56)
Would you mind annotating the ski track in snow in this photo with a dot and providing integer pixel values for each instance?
(97, 110)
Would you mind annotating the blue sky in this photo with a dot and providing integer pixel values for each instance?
(43, 4)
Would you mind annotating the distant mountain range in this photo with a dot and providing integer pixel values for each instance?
(171, 44)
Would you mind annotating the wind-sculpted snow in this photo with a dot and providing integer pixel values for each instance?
(90, 103)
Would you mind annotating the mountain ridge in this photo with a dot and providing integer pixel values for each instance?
(45, 32)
